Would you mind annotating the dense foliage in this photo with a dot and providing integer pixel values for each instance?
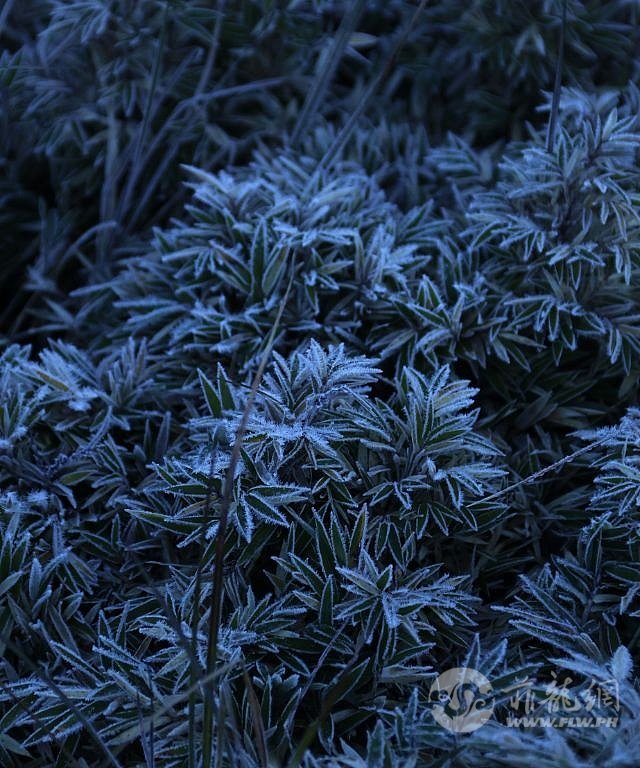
(440, 464)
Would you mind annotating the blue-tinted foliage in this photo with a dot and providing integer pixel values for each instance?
(381, 373)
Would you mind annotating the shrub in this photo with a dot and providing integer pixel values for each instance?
(318, 377)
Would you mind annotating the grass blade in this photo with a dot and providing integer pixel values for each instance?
(227, 491)
(341, 139)
(555, 104)
(327, 65)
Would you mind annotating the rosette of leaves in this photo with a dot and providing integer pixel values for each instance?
(312, 544)
(334, 235)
